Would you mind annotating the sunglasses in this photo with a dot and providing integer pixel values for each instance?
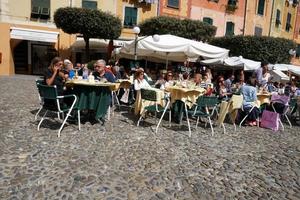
(170, 74)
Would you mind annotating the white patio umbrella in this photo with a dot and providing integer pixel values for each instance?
(171, 48)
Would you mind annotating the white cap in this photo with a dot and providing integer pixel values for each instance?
(67, 61)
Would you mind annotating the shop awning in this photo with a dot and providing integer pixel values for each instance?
(33, 35)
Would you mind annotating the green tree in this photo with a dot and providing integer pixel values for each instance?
(187, 28)
(90, 23)
(260, 48)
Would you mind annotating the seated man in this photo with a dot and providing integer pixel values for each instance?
(101, 73)
(249, 93)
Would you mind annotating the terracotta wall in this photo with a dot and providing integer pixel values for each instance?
(217, 11)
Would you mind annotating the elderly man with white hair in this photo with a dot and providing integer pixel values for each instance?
(100, 72)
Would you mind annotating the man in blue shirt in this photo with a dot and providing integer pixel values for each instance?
(101, 73)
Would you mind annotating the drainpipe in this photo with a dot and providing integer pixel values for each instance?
(245, 15)
(273, 2)
(158, 8)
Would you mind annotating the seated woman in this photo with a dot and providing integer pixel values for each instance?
(160, 81)
(54, 75)
(139, 81)
(223, 93)
(168, 81)
(250, 96)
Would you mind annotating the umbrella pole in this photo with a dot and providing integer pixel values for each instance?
(167, 60)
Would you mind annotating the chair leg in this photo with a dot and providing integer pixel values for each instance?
(281, 124)
(78, 114)
(211, 126)
(170, 118)
(42, 120)
(243, 121)
(138, 123)
(65, 120)
(108, 115)
(188, 121)
(37, 114)
(162, 116)
(197, 122)
(288, 120)
(155, 115)
(58, 116)
(224, 129)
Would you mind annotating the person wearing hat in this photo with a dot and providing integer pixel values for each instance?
(69, 70)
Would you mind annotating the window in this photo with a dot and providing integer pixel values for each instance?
(229, 29)
(288, 22)
(261, 7)
(130, 17)
(208, 20)
(40, 9)
(232, 2)
(278, 22)
(173, 3)
(89, 4)
(258, 31)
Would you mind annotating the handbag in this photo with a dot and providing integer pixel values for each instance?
(270, 120)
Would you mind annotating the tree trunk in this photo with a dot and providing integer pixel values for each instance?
(87, 49)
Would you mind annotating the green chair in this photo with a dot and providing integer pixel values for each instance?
(51, 103)
(39, 81)
(205, 107)
(150, 95)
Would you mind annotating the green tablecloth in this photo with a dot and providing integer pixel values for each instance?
(95, 98)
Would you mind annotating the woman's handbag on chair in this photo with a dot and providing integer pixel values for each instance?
(270, 120)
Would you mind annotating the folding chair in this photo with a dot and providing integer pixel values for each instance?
(201, 109)
(51, 103)
(284, 101)
(150, 95)
(293, 107)
(252, 107)
(38, 81)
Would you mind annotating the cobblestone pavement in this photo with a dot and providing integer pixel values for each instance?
(122, 161)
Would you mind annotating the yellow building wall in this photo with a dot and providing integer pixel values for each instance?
(285, 8)
(182, 12)
(288, 9)
(7, 60)
(253, 19)
(145, 11)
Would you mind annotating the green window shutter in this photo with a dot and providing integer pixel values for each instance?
(208, 20)
(261, 7)
(40, 3)
(278, 16)
(130, 17)
(229, 29)
(89, 4)
(173, 3)
(288, 22)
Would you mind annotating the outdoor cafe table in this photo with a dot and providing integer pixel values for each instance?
(263, 98)
(141, 104)
(181, 96)
(92, 95)
(186, 95)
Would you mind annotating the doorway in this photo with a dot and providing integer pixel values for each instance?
(41, 56)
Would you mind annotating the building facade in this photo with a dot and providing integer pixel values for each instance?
(175, 8)
(29, 38)
(226, 15)
(296, 59)
(257, 17)
(283, 20)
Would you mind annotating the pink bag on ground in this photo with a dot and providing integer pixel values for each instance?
(270, 120)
